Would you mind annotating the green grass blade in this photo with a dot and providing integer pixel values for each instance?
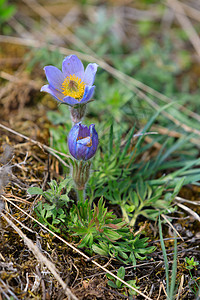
(111, 140)
(174, 270)
(127, 143)
(164, 255)
(150, 122)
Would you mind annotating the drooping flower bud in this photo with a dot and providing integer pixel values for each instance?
(83, 141)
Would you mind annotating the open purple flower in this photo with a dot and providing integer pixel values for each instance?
(83, 141)
(73, 85)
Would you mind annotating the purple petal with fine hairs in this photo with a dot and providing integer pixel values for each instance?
(95, 141)
(72, 140)
(54, 76)
(72, 65)
(70, 101)
(90, 73)
(81, 151)
(94, 135)
(89, 91)
(83, 131)
(56, 94)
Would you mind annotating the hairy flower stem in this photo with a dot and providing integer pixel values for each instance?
(77, 113)
(81, 195)
(80, 174)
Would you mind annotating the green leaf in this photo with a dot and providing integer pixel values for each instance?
(112, 235)
(99, 250)
(178, 186)
(35, 191)
(112, 284)
(111, 140)
(65, 183)
(121, 275)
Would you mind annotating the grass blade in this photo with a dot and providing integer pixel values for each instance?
(164, 255)
(174, 270)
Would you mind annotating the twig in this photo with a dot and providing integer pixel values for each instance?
(185, 23)
(180, 289)
(187, 201)
(164, 217)
(191, 12)
(190, 211)
(24, 226)
(7, 289)
(41, 258)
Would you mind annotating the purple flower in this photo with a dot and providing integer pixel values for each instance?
(73, 85)
(83, 141)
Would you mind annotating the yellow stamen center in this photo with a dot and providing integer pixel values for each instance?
(73, 86)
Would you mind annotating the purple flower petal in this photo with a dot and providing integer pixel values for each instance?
(90, 73)
(72, 139)
(70, 101)
(55, 77)
(72, 65)
(94, 135)
(95, 141)
(83, 131)
(56, 94)
(89, 91)
(81, 151)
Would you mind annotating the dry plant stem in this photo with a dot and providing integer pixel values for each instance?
(42, 146)
(180, 289)
(187, 201)
(191, 12)
(41, 258)
(170, 224)
(189, 211)
(78, 251)
(7, 289)
(185, 23)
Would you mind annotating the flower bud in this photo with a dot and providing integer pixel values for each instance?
(83, 141)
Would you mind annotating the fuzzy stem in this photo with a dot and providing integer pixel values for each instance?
(77, 113)
(81, 195)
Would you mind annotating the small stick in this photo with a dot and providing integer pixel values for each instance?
(164, 217)
(185, 23)
(190, 211)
